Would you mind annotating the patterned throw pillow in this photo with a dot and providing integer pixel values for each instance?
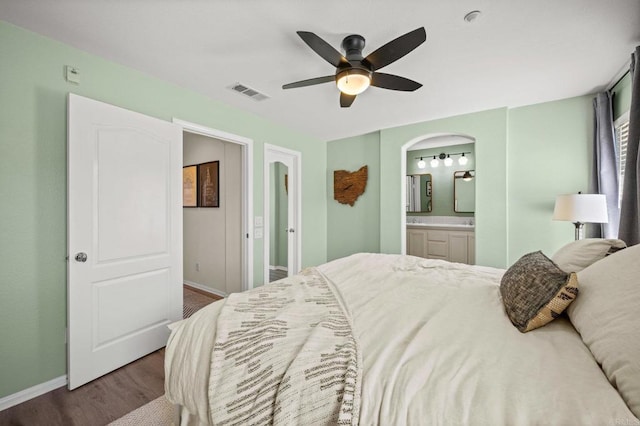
(535, 291)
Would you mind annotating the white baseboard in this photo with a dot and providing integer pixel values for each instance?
(32, 392)
(206, 289)
(278, 268)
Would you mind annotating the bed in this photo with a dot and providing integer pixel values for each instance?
(399, 340)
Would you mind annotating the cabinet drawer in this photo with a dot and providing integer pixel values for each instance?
(438, 249)
(442, 236)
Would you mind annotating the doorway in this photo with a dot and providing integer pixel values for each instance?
(124, 230)
(282, 212)
(212, 229)
(218, 253)
(437, 187)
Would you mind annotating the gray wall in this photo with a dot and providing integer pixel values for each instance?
(213, 236)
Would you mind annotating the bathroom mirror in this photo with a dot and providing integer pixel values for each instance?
(419, 189)
(278, 220)
(464, 191)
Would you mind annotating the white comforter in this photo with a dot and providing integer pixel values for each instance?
(437, 349)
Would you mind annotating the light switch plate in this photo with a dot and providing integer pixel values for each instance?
(257, 222)
(72, 74)
(257, 233)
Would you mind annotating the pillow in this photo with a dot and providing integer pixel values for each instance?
(535, 291)
(607, 316)
(579, 254)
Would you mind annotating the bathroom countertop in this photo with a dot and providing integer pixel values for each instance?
(442, 226)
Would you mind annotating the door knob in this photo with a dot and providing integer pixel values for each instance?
(81, 257)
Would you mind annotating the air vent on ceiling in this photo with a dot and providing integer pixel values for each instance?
(247, 91)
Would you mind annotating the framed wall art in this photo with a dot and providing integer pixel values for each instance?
(209, 184)
(190, 186)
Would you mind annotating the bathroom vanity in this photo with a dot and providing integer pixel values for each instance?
(452, 242)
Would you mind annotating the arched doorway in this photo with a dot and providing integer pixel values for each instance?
(438, 184)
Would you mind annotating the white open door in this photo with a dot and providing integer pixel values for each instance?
(124, 236)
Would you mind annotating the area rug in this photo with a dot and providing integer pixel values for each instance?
(158, 412)
(193, 301)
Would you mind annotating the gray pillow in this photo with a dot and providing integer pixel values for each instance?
(577, 255)
(535, 291)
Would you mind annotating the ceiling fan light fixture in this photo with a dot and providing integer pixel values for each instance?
(354, 73)
(353, 81)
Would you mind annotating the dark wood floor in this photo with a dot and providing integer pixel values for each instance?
(105, 399)
(96, 403)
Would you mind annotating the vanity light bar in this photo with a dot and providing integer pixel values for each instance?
(448, 161)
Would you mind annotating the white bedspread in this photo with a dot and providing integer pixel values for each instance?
(438, 349)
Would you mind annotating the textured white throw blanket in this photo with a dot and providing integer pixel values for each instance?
(285, 354)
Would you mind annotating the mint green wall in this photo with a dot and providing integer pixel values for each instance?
(621, 96)
(33, 185)
(442, 176)
(549, 154)
(489, 128)
(524, 158)
(354, 229)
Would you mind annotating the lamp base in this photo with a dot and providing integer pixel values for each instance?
(579, 230)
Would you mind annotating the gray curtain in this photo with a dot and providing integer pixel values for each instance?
(630, 208)
(604, 173)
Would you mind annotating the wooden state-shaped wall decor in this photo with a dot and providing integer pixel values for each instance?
(348, 186)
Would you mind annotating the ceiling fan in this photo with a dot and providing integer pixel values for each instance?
(354, 74)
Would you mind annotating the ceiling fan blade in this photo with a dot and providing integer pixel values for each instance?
(395, 49)
(322, 48)
(394, 82)
(346, 100)
(310, 82)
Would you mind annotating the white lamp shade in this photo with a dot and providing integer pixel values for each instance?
(422, 164)
(583, 208)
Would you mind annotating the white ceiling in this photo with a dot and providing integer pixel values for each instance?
(517, 53)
